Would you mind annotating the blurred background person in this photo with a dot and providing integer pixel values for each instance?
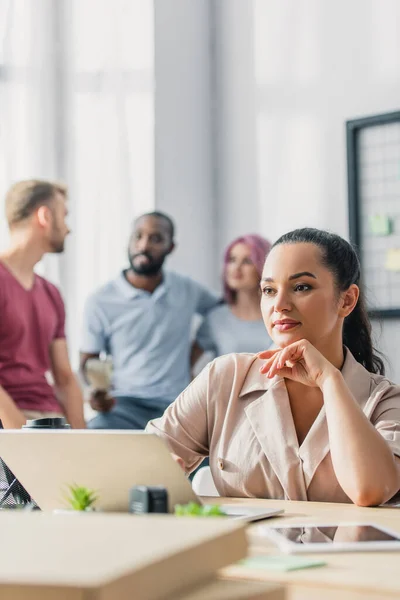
(142, 320)
(236, 325)
(33, 348)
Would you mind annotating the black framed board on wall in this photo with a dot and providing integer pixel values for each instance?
(373, 173)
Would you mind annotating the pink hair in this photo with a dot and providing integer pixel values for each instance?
(259, 248)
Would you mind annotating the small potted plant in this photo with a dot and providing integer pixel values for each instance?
(80, 499)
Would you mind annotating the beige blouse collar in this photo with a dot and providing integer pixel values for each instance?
(354, 374)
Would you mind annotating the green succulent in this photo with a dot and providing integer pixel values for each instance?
(80, 497)
(197, 510)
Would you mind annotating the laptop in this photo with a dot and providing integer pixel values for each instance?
(110, 462)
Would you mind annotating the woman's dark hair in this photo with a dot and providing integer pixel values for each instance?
(341, 259)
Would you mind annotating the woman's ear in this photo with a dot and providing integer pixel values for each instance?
(349, 300)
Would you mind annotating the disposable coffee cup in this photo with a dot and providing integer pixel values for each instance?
(47, 423)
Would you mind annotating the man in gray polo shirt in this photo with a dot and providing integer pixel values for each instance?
(142, 319)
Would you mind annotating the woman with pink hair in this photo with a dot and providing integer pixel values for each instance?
(236, 325)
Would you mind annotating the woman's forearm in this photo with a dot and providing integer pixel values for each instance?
(363, 462)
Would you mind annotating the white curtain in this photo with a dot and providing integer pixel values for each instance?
(76, 104)
(27, 134)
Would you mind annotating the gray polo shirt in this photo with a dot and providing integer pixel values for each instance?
(222, 333)
(147, 335)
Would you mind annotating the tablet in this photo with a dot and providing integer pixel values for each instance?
(337, 537)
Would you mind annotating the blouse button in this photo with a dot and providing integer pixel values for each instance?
(220, 464)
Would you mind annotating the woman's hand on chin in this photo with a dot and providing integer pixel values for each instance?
(299, 361)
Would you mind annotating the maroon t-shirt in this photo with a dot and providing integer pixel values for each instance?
(29, 321)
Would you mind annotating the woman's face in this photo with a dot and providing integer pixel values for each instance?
(299, 298)
(240, 272)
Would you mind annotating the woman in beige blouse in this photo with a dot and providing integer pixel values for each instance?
(313, 419)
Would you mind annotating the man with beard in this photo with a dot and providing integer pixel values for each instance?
(143, 321)
(33, 349)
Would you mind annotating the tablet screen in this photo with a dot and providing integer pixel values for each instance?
(336, 534)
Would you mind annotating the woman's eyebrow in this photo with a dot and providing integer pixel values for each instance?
(302, 274)
(294, 276)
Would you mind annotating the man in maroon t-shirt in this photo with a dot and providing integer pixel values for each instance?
(35, 373)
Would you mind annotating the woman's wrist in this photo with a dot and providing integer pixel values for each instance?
(329, 376)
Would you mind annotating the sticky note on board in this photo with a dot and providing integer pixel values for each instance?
(380, 225)
(280, 562)
(392, 262)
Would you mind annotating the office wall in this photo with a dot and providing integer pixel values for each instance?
(314, 65)
(184, 150)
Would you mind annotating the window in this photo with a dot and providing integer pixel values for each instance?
(76, 104)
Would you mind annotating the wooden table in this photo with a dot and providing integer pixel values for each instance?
(220, 589)
(347, 576)
(110, 556)
(122, 557)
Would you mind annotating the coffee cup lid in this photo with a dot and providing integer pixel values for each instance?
(47, 423)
